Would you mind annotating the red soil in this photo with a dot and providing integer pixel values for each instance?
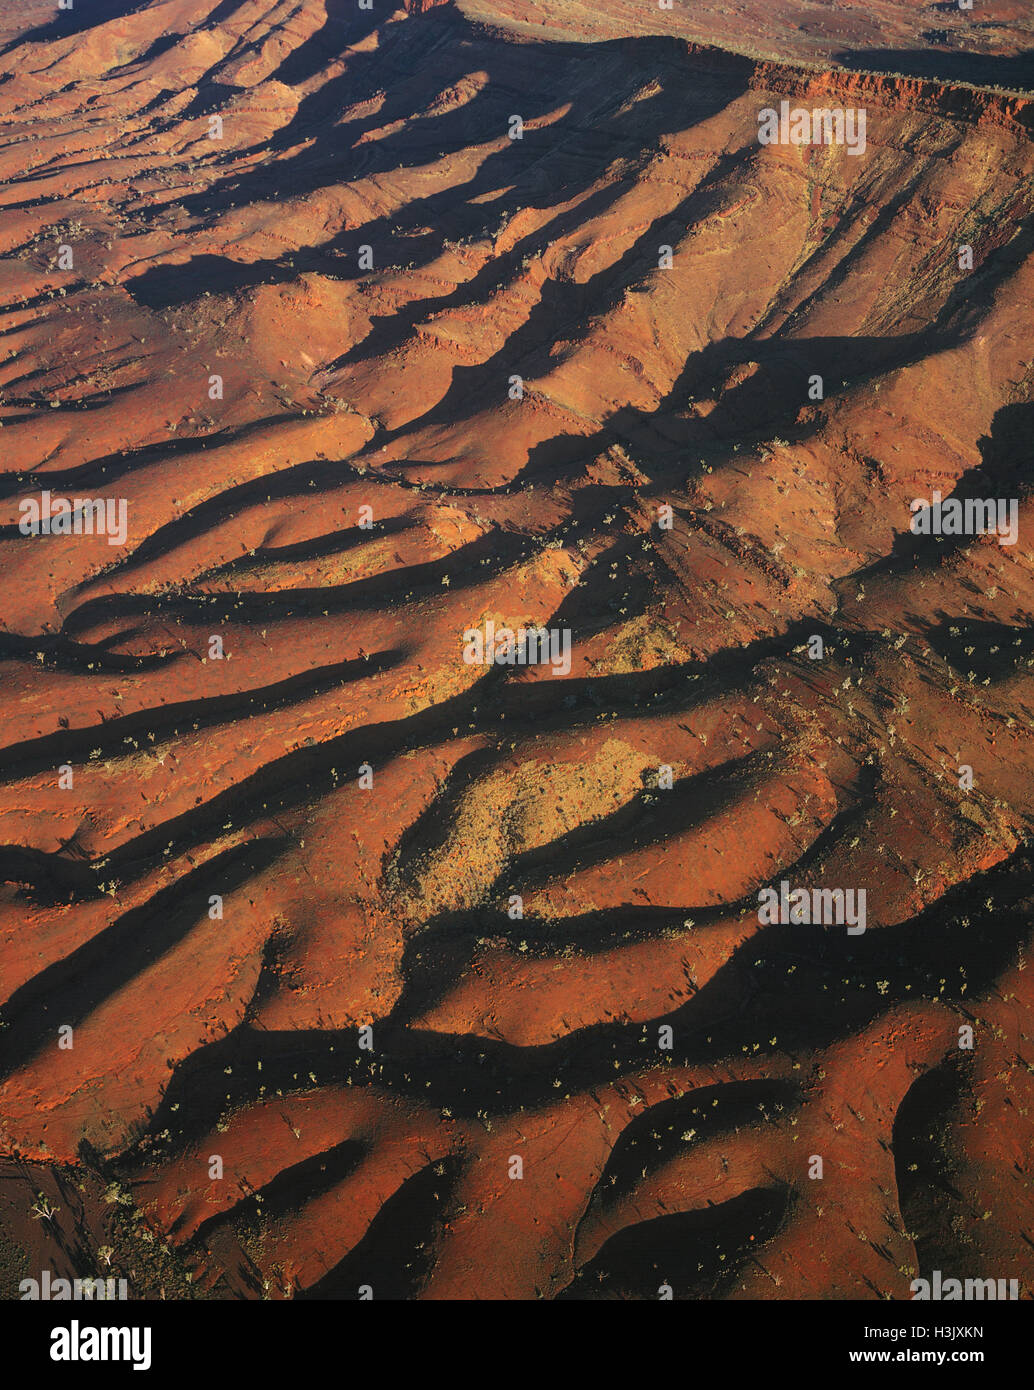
(195, 776)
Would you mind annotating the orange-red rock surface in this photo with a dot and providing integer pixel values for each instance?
(287, 340)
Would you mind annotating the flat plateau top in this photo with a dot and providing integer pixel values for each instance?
(991, 44)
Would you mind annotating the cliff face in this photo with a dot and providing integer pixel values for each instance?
(341, 363)
(899, 94)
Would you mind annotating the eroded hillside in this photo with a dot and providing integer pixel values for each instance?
(369, 373)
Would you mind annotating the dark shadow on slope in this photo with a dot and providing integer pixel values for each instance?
(833, 991)
(697, 1254)
(122, 736)
(287, 1192)
(930, 1203)
(72, 988)
(396, 1253)
(547, 167)
(992, 651)
(86, 14)
(657, 1136)
(1003, 473)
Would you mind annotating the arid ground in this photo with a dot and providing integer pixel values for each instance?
(333, 963)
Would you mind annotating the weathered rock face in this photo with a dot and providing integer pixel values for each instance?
(328, 343)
